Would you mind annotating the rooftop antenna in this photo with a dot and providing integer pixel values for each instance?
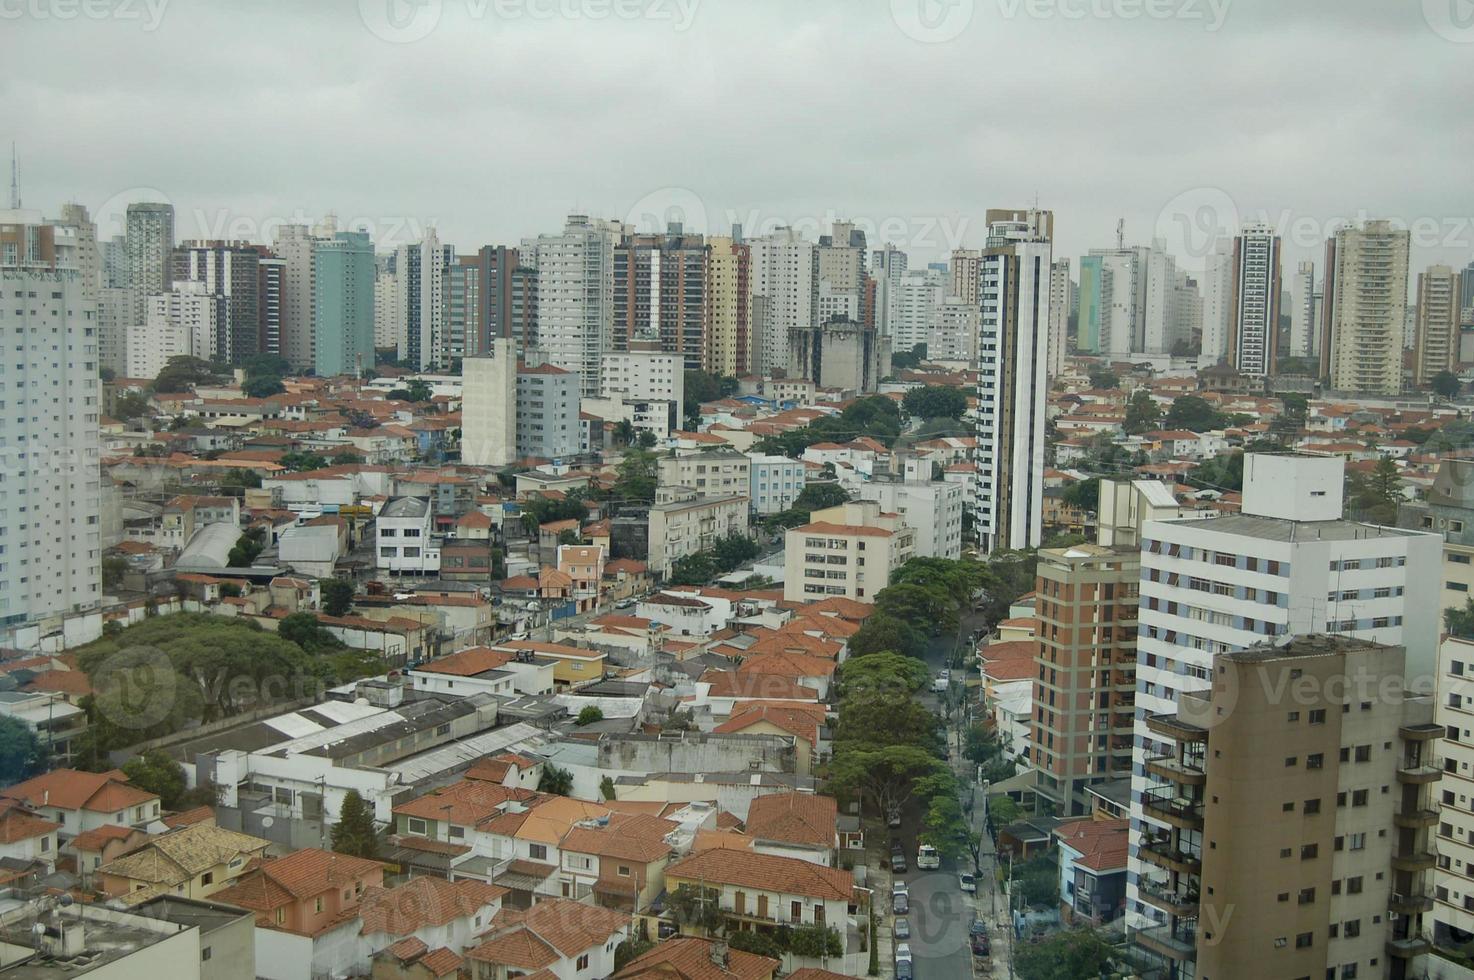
(14, 179)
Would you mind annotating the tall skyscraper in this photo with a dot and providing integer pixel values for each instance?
(50, 500)
(728, 330)
(422, 271)
(293, 244)
(507, 297)
(386, 303)
(1218, 302)
(839, 272)
(1093, 288)
(1436, 342)
(343, 275)
(463, 307)
(1059, 315)
(89, 256)
(887, 266)
(660, 293)
(783, 280)
(1304, 307)
(964, 265)
(1253, 327)
(271, 279)
(489, 405)
(1365, 305)
(1123, 301)
(1013, 353)
(230, 272)
(1288, 565)
(575, 294)
(149, 241)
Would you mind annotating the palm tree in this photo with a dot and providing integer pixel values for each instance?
(624, 432)
(557, 781)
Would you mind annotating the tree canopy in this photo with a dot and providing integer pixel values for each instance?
(1143, 414)
(355, 832)
(157, 772)
(1193, 413)
(22, 754)
(1446, 384)
(907, 359)
(935, 402)
(876, 416)
(1063, 956)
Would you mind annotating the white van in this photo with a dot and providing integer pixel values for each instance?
(927, 858)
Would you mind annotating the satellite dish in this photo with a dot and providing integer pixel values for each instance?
(266, 822)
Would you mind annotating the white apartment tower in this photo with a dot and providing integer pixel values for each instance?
(1253, 327)
(954, 332)
(575, 289)
(50, 498)
(1304, 310)
(784, 292)
(1288, 565)
(293, 245)
(1217, 302)
(887, 266)
(647, 375)
(183, 322)
(1013, 355)
(1365, 308)
(489, 405)
(386, 302)
(1436, 339)
(421, 274)
(913, 307)
(1059, 314)
(149, 242)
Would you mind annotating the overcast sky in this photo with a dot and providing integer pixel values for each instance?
(491, 119)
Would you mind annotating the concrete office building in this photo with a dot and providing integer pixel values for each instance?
(489, 405)
(1084, 694)
(1436, 338)
(841, 354)
(1012, 383)
(954, 332)
(149, 244)
(1365, 305)
(776, 482)
(575, 295)
(783, 288)
(343, 304)
(547, 411)
(1290, 813)
(729, 328)
(49, 517)
(1288, 565)
(421, 272)
(660, 294)
(1253, 328)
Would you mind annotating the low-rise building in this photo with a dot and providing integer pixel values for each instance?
(81, 801)
(403, 538)
(850, 551)
(195, 861)
(682, 523)
(776, 482)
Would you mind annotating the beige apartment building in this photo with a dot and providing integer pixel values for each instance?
(711, 473)
(1453, 881)
(1437, 327)
(850, 550)
(1297, 808)
(1448, 510)
(728, 321)
(683, 522)
(1365, 306)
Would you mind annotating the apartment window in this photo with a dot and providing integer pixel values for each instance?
(416, 826)
(1307, 896)
(538, 852)
(1353, 885)
(1318, 716)
(208, 878)
(624, 871)
(1351, 929)
(1358, 842)
(583, 962)
(1311, 806)
(1363, 753)
(1309, 852)
(1291, 760)
(1305, 940)
(1359, 797)
(1315, 760)
(317, 904)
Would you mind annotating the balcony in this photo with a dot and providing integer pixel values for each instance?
(1179, 811)
(1419, 774)
(1175, 770)
(1174, 942)
(1170, 726)
(1405, 949)
(1415, 819)
(1172, 901)
(1420, 733)
(1161, 852)
(1416, 861)
(1409, 904)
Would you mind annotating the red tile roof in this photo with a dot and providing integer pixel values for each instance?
(765, 872)
(795, 818)
(71, 789)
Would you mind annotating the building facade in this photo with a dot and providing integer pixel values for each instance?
(343, 276)
(547, 412)
(850, 551)
(1365, 306)
(489, 405)
(1436, 337)
(1253, 330)
(575, 295)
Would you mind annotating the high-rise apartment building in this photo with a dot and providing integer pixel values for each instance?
(293, 244)
(783, 290)
(1013, 354)
(149, 243)
(1288, 565)
(575, 294)
(1218, 302)
(120, 310)
(1092, 290)
(463, 307)
(965, 266)
(1452, 895)
(386, 302)
(343, 275)
(1059, 315)
(644, 374)
(1253, 326)
(954, 332)
(89, 256)
(887, 266)
(492, 295)
(850, 551)
(841, 354)
(1447, 510)
(422, 271)
(1436, 340)
(50, 499)
(183, 322)
(271, 285)
(913, 306)
(660, 293)
(1290, 818)
(729, 326)
(547, 411)
(931, 508)
(230, 272)
(1304, 310)
(1085, 691)
(489, 405)
(839, 274)
(1365, 305)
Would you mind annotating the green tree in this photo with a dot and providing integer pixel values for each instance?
(880, 633)
(1143, 414)
(156, 772)
(590, 714)
(1002, 811)
(1084, 494)
(887, 775)
(1446, 384)
(646, 439)
(815, 941)
(945, 827)
(22, 754)
(337, 596)
(1460, 622)
(907, 359)
(355, 832)
(637, 476)
(346, 457)
(247, 548)
(882, 674)
(760, 942)
(606, 788)
(1193, 413)
(1063, 956)
(629, 950)
(731, 551)
(303, 462)
(700, 387)
(624, 432)
(307, 632)
(1103, 378)
(132, 405)
(554, 780)
(935, 402)
(182, 373)
(814, 496)
(697, 907)
(262, 386)
(113, 570)
(419, 390)
(1037, 880)
(697, 569)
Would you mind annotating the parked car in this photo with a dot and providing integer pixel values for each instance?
(898, 863)
(903, 970)
(981, 946)
(893, 819)
(927, 858)
(625, 604)
(900, 903)
(903, 927)
(903, 951)
(978, 926)
(968, 882)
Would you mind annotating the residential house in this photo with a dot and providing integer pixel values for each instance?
(620, 860)
(572, 666)
(91, 849)
(483, 669)
(584, 566)
(195, 861)
(693, 958)
(439, 913)
(86, 800)
(800, 825)
(1092, 870)
(569, 940)
(27, 836)
(411, 959)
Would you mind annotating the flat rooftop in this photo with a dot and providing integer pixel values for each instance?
(1280, 529)
(106, 937)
